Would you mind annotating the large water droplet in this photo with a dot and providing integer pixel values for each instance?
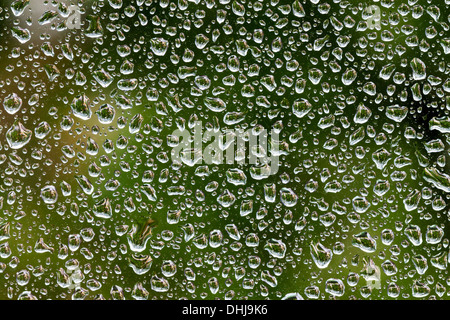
(18, 136)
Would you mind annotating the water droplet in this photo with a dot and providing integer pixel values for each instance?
(49, 194)
(12, 103)
(18, 136)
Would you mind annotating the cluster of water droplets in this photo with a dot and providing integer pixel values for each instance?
(94, 207)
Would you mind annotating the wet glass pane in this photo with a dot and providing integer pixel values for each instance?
(224, 149)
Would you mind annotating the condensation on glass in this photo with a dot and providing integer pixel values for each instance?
(224, 149)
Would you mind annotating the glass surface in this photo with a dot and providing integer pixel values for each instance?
(224, 149)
